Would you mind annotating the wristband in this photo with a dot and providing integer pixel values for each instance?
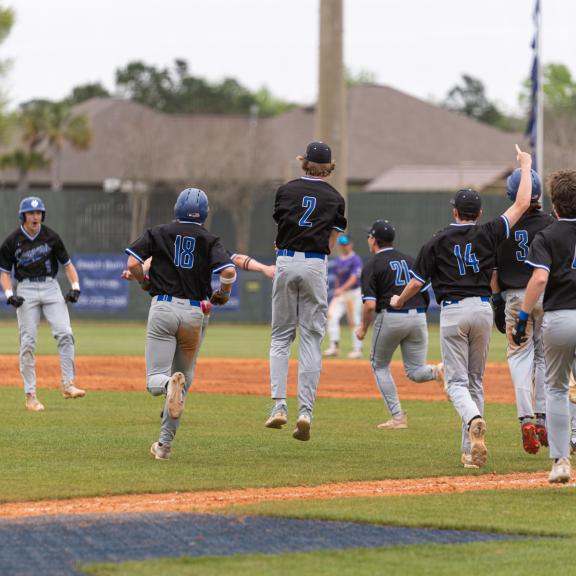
(227, 281)
(8, 294)
(75, 286)
(523, 315)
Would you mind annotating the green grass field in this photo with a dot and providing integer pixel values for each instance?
(240, 341)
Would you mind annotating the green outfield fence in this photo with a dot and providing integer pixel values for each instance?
(91, 221)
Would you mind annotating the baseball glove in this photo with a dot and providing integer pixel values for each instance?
(72, 296)
(499, 308)
(219, 298)
(15, 301)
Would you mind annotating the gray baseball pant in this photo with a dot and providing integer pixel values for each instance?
(409, 331)
(559, 333)
(526, 362)
(299, 299)
(43, 298)
(465, 330)
(174, 335)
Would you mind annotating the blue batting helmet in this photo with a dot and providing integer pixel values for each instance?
(31, 204)
(192, 206)
(513, 183)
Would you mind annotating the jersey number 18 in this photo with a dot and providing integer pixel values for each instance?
(184, 251)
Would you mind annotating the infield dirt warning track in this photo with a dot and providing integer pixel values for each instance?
(340, 378)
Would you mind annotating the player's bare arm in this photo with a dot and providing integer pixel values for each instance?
(333, 237)
(72, 274)
(6, 282)
(351, 282)
(222, 295)
(368, 309)
(127, 275)
(136, 269)
(535, 289)
(522, 202)
(412, 288)
(245, 262)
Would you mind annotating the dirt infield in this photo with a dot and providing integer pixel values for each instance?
(214, 500)
(340, 378)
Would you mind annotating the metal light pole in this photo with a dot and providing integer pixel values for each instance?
(331, 107)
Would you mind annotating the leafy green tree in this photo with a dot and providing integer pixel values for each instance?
(23, 161)
(7, 18)
(86, 92)
(359, 78)
(176, 91)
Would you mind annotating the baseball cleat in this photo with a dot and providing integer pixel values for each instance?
(572, 389)
(477, 435)
(542, 433)
(398, 422)
(530, 439)
(302, 431)
(160, 451)
(175, 395)
(561, 471)
(573, 445)
(33, 404)
(466, 460)
(71, 391)
(277, 420)
(355, 355)
(332, 352)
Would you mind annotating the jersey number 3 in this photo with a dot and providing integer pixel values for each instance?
(469, 259)
(521, 236)
(184, 251)
(308, 202)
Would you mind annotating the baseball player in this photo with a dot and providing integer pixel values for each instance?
(347, 299)
(184, 257)
(459, 260)
(526, 362)
(385, 274)
(33, 252)
(552, 256)
(309, 213)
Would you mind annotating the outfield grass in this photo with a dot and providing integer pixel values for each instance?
(230, 340)
(99, 445)
(547, 512)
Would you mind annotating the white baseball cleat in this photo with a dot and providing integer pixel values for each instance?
(302, 431)
(175, 395)
(160, 451)
(466, 460)
(561, 471)
(477, 435)
(332, 352)
(70, 391)
(277, 420)
(355, 355)
(33, 404)
(398, 422)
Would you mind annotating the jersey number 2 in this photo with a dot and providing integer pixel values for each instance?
(308, 202)
(184, 251)
(469, 259)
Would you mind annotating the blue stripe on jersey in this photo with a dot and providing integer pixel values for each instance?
(507, 225)
(336, 228)
(414, 275)
(364, 298)
(216, 270)
(426, 287)
(132, 253)
(67, 263)
(4, 270)
(534, 265)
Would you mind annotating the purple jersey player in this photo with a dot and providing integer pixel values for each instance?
(346, 299)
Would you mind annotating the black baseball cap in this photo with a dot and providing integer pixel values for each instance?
(382, 230)
(318, 152)
(467, 200)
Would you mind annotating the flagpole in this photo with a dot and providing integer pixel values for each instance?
(540, 94)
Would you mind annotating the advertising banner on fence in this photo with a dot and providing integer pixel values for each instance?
(103, 289)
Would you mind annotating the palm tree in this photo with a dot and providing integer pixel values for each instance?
(65, 127)
(23, 161)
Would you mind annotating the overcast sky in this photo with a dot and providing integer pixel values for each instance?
(418, 46)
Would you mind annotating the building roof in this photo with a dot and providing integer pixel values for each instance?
(424, 178)
(388, 131)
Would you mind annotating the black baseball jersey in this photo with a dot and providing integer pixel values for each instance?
(459, 260)
(385, 274)
(512, 253)
(306, 211)
(33, 257)
(184, 257)
(554, 250)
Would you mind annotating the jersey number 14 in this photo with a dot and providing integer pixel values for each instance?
(184, 251)
(468, 261)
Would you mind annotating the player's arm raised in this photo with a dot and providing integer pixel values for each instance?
(522, 202)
